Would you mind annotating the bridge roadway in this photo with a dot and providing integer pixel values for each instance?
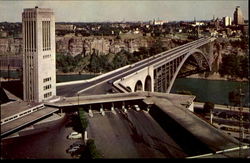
(173, 105)
(102, 84)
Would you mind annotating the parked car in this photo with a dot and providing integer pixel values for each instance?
(71, 150)
(76, 145)
(75, 135)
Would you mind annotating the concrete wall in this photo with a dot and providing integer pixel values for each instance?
(131, 80)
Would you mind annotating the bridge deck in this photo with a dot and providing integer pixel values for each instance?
(22, 121)
(95, 99)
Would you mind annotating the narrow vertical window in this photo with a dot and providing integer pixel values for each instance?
(35, 35)
(43, 34)
(49, 35)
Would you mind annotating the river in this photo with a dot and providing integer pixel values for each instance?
(215, 91)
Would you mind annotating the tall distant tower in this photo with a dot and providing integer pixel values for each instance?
(39, 68)
(227, 21)
(238, 16)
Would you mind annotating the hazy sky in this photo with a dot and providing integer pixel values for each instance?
(118, 10)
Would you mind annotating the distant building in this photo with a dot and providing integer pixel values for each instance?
(197, 24)
(39, 68)
(65, 27)
(157, 22)
(238, 16)
(227, 21)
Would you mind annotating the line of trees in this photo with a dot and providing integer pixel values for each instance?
(236, 66)
(105, 63)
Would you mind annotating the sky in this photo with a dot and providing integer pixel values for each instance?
(119, 10)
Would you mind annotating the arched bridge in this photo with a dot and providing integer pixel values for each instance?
(160, 71)
(156, 73)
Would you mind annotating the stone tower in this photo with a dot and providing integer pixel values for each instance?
(39, 68)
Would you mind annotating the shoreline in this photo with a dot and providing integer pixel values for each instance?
(216, 76)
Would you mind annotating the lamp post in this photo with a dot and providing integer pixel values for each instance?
(241, 127)
(148, 75)
(78, 99)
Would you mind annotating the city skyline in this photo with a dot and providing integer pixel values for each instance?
(105, 11)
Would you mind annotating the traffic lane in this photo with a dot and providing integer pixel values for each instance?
(71, 90)
(99, 89)
(131, 135)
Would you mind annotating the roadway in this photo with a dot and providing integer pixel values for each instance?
(173, 106)
(224, 108)
(101, 85)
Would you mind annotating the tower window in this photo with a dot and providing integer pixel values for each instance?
(46, 35)
(46, 79)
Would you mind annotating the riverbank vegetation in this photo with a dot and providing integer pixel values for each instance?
(96, 63)
(235, 66)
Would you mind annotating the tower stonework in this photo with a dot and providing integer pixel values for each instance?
(39, 68)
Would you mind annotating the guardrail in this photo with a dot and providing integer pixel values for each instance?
(219, 152)
(92, 79)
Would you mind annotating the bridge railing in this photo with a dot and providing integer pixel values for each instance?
(92, 79)
(21, 114)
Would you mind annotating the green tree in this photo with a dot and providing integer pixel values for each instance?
(91, 152)
(231, 65)
(83, 119)
(157, 47)
(94, 63)
(120, 60)
(65, 63)
(244, 67)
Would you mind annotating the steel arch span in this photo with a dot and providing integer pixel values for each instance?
(201, 60)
